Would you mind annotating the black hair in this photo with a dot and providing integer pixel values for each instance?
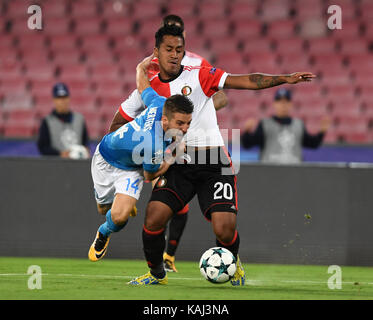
(168, 30)
(178, 103)
(172, 19)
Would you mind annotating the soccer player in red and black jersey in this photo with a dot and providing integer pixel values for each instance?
(216, 190)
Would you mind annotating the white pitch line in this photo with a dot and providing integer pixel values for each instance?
(254, 282)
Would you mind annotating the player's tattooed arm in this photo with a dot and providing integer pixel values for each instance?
(220, 100)
(117, 122)
(256, 81)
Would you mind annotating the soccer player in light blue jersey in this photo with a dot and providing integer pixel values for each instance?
(136, 151)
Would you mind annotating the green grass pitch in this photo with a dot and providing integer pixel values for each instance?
(81, 279)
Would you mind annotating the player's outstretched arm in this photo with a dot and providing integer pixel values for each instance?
(256, 81)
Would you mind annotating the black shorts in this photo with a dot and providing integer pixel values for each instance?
(208, 174)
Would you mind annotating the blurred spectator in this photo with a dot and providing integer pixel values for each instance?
(63, 132)
(282, 137)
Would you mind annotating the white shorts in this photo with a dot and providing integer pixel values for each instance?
(109, 180)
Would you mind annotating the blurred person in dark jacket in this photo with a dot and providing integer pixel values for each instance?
(63, 132)
(282, 137)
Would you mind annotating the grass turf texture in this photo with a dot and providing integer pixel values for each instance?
(106, 279)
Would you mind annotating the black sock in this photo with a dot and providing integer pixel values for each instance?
(176, 228)
(233, 246)
(154, 245)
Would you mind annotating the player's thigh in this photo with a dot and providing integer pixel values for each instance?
(103, 182)
(224, 225)
(217, 193)
(175, 188)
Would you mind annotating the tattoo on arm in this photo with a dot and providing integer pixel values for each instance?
(266, 81)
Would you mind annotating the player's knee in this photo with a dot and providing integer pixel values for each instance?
(156, 216)
(120, 216)
(224, 230)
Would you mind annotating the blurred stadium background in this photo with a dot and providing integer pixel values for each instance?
(94, 46)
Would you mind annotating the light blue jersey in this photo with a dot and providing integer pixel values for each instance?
(139, 143)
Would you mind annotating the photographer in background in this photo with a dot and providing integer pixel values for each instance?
(281, 137)
(63, 132)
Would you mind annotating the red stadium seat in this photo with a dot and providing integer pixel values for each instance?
(96, 129)
(54, 8)
(337, 77)
(308, 9)
(18, 8)
(40, 71)
(146, 10)
(88, 26)
(212, 9)
(350, 30)
(10, 71)
(62, 41)
(321, 46)
(119, 26)
(275, 10)
(289, 46)
(110, 88)
(105, 71)
(73, 72)
(56, 26)
(360, 61)
(66, 56)
(83, 8)
(324, 62)
(148, 27)
(282, 29)
(95, 42)
(212, 27)
(111, 9)
(98, 56)
(247, 30)
(17, 100)
(292, 62)
(36, 40)
(83, 103)
(21, 115)
(258, 46)
(181, 8)
(21, 130)
(265, 62)
(13, 86)
(221, 45)
(367, 11)
(243, 10)
(42, 87)
(345, 90)
(354, 46)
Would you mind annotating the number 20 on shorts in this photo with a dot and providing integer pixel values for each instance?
(223, 190)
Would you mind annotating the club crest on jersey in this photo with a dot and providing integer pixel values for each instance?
(161, 182)
(186, 91)
(212, 70)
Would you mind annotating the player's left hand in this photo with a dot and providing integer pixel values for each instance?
(300, 77)
(145, 64)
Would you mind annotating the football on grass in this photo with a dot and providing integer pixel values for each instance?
(217, 265)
